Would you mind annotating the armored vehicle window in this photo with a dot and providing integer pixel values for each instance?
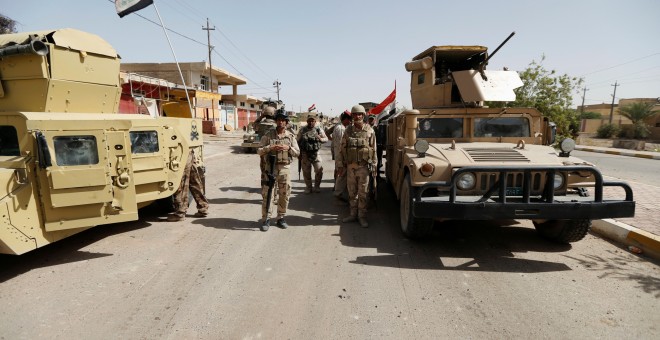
(420, 78)
(440, 128)
(8, 141)
(501, 127)
(76, 150)
(144, 141)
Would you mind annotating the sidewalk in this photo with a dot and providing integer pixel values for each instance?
(639, 233)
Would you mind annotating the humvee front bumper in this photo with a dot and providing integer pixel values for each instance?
(251, 145)
(495, 203)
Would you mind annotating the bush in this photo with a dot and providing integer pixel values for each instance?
(626, 131)
(607, 131)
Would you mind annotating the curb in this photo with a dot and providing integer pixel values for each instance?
(648, 243)
(616, 152)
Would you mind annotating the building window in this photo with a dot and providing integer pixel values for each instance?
(420, 78)
(252, 106)
(204, 81)
(242, 104)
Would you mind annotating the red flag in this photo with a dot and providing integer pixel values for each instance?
(313, 107)
(378, 109)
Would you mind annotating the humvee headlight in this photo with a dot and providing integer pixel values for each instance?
(421, 146)
(427, 169)
(559, 181)
(466, 181)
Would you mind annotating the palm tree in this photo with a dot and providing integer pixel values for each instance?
(638, 112)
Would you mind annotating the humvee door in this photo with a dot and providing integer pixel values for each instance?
(89, 179)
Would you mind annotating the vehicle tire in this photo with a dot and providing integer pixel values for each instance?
(564, 231)
(412, 227)
(247, 150)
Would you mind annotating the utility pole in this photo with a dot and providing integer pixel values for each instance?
(277, 84)
(613, 96)
(584, 94)
(208, 36)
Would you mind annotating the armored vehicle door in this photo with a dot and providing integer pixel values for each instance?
(85, 176)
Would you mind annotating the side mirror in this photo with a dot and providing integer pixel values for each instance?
(552, 133)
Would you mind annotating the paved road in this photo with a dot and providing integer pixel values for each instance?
(627, 168)
(220, 277)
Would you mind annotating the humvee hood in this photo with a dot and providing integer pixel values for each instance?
(467, 154)
(65, 37)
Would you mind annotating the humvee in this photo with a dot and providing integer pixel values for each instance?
(259, 127)
(68, 160)
(453, 158)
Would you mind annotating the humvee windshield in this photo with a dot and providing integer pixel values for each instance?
(440, 128)
(501, 127)
(8, 141)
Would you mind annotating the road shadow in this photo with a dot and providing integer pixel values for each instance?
(64, 251)
(620, 265)
(456, 245)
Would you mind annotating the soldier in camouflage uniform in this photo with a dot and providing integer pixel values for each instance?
(281, 143)
(193, 181)
(310, 138)
(357, 158)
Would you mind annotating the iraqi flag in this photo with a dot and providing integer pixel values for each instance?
(378, 109)
(313, 107)
(126, 7)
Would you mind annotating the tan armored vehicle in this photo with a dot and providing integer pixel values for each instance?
(453, 158)
(68, 161)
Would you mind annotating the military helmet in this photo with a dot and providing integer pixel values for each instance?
(358, 109)
(312, 116)
(269, 111)
(282, 115)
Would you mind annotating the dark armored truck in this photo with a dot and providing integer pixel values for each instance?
(68, 160)
(453, 158)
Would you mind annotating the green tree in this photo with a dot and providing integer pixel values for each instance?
(551, 94)
(638, 112)
(590, 115)
(7, 25)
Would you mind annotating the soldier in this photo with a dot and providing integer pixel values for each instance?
(262, 125)
(357, 158)
(282, 143)
(193, 181)
(337, 134)
(310, 138)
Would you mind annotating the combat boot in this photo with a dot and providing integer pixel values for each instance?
(265, 225)
(349, 219)
(308, 190)
(317, 189)
(363, 222)
(282, 223)
(175, 218)
(201, 214)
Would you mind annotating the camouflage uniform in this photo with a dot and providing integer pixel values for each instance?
(310, 141)
(282, 172)
(193, 181)
(358, 156)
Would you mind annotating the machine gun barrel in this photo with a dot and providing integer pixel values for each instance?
(498, 47)
(35, 47)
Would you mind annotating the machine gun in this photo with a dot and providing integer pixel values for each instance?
(483, 64)
(271, 181)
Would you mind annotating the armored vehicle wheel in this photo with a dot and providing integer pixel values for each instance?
(564, 231)
(412, 227)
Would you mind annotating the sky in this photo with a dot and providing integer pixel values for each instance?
(335, 54)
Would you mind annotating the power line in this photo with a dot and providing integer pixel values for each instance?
(628, 62)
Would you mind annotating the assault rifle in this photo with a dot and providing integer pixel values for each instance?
(271, 181)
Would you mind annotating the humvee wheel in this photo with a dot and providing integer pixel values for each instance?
(564, 231)
(247, 150)
(412, 227)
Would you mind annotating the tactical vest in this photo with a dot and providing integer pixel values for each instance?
(283, 156)
(309, 142)
(358, 149)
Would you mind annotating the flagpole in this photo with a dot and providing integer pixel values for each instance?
(185, 88)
